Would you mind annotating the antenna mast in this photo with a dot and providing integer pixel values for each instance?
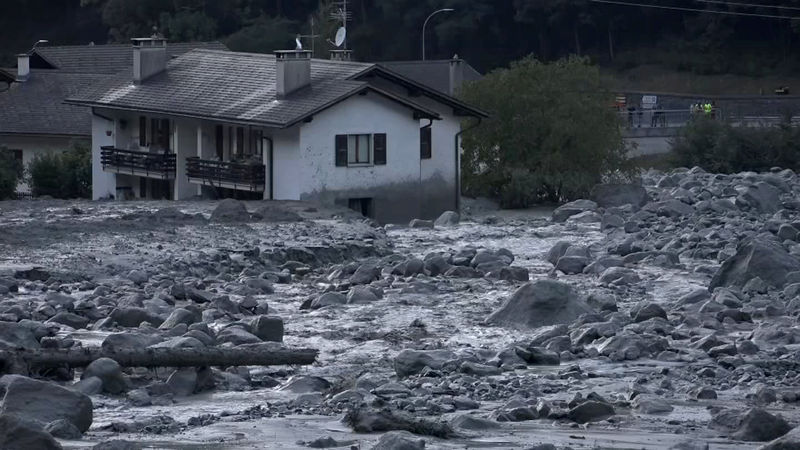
(341, 14)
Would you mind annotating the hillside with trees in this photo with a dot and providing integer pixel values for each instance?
(714, 40)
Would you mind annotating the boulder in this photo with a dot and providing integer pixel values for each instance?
(591, 411)
(306, 384)
(183, 382)
(572, 264)
(567, 210)
(557, 251)
(268, 328)
(178, 316)
(19, 434)
(328, 299)
(447, 219)
(649, 311)
(789, 441)
(419, 223)
(69, 319)
(132, 317)
(540, 303)
(650, 404)
(109, 372)
(760, 426)
(756, 257)
(762, 197)
(129, 341)
(63, 429)
(41, 402)
(611, 195)
(399, 440)
(361, 294)
(236, 335)
(15, 335)
(410, 362)
(273, 213)
(230, 210)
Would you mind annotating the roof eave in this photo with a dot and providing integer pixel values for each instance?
(456, 104)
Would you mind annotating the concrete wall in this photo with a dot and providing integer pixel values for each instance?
(396, 188)
(104, 184)
(185, 140)
(37, 145)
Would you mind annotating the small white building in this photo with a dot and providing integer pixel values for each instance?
(282, 126)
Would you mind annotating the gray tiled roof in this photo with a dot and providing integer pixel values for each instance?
(235, 87)
(110, 58)
(36, 106)
(432, 73)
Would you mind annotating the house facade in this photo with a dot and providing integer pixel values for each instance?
(34, 120)
(282, 126)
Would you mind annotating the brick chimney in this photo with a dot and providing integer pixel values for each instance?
(149, 57)
(341, 55)
(456, 74)
(292, 71)
(23, 67)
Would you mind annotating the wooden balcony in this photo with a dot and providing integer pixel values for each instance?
(142, 164)
(231, 175)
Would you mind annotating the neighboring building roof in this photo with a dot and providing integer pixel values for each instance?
(435, 73)
(109, 58)
(235, 87)
(36, 106)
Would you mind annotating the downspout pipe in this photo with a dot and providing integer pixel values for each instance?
(458, 166)
(430, 124)
(271, 168)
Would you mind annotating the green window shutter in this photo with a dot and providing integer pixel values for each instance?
(379, 148)
(341, 150)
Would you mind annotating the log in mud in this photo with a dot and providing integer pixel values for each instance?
(24, 360)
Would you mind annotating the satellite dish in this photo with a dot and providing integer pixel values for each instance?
(341, 34)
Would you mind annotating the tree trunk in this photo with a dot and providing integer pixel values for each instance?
(252, 355)
(577, 38)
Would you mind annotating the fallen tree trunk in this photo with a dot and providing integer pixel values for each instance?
(24, 360)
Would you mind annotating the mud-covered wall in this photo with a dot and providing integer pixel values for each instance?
(286, 158)
(398, 189)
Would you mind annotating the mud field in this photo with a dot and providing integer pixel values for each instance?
(655, 318)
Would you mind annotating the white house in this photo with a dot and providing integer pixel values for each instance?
(282, 126)
(34, 119)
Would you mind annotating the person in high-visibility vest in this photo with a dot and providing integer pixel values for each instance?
(707, 108)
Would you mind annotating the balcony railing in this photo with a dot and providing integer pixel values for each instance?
(231, 175)
(143, 164)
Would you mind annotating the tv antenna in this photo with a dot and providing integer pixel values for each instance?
(341, 14)
(311, 36)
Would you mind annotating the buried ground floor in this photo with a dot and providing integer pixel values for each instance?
(377, 160)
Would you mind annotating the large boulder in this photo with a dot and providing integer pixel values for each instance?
(762, 197)
(399, 440)
(268, 328)
(448, 218)
(20, 434)
(132, 317)
(760, 426)
(230, 210)
(567, 210)
(541, 303)
(109, 372)
(756, 257)
(789, 441)
(15, 335)
(610, 195)
(42, 403)
(410, 362)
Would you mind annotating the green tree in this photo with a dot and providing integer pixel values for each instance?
(62, 175)
(10, 173)
(551, 137)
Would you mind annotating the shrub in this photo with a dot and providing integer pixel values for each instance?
(62, 175)
(551, 136)
(720, 147)
(10, 173)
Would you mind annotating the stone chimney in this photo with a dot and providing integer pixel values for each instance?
(149, 57)
(292, 71)
(23, 67)
(341, 55)
(456, 74)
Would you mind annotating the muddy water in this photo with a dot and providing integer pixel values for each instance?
(354, 339)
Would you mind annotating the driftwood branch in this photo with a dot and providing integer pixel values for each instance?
(24, 360)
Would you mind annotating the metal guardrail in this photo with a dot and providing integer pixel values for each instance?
(662, 118)
(233, 175)
(146, 164)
